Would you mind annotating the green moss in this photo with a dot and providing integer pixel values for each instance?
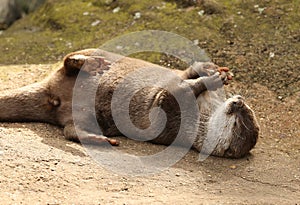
(59, 27)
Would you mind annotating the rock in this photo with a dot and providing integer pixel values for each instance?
(28, 6)
(9, 12)
(212, 7)
(209, 6)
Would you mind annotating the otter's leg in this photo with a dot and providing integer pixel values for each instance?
(200, 69)
(211, 83)
(87, 61)
(86, 137)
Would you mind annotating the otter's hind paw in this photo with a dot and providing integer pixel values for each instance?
(98, 139)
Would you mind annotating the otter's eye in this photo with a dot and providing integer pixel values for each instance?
(54, 101)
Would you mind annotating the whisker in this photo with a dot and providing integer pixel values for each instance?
(245, 125)
(237, 134)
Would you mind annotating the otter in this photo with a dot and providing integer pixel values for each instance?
(224, 127)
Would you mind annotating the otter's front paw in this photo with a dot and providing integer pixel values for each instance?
(201, 69)
(204, 69)
(225, 75)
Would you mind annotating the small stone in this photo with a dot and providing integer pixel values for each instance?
(196, 42)
(201, 12)
(119, 47)
(233, 167)
(86, 13)
(116, 10)
(137, 15)
(69, 44)
(95, 23)
(261, 10)
(177, 175)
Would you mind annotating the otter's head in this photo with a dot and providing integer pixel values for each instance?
(232, 129)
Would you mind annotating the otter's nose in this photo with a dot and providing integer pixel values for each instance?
(238, 101)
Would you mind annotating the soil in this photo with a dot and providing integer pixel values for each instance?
(259, 40)
(39, 166)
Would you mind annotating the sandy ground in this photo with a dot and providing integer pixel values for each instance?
(38, 166)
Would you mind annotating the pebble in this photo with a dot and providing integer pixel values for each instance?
(196, 42)
(137, 15)
(233, 167)
(119, 47)
(260, 10)
(95, 23)
(116, 10)
(201, 12)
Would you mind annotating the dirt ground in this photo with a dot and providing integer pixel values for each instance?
(38, 166)
(258, 39)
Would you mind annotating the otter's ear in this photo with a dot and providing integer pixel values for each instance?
(87, 61)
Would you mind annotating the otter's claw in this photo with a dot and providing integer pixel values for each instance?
(225, 74)
(99, 139)
(201, 69)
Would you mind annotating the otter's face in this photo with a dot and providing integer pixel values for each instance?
(233, 128)
(60, 91)
(245, 128)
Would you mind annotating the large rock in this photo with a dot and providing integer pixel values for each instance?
(29, 5)
(11, 10)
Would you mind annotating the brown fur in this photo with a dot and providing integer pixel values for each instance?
(51, 100)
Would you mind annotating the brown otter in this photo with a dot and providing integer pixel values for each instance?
(224, 128)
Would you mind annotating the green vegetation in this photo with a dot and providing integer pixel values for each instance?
(59, 27)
